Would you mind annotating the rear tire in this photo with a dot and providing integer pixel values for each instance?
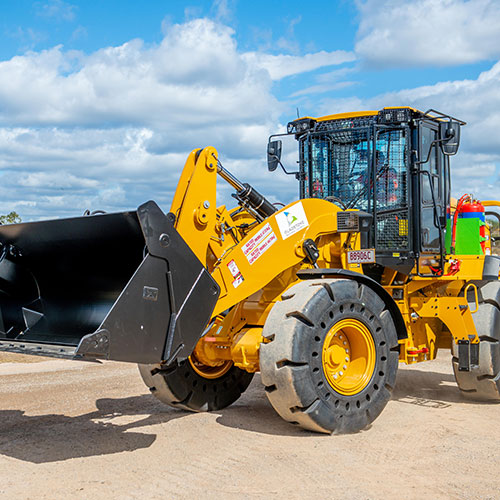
(182, 386)
(314, 379)
(483, 383)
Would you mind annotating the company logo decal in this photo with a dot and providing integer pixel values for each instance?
(292, 220)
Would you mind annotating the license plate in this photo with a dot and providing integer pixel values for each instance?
(361, 256)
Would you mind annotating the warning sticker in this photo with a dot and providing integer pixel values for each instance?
(259, 243)
(292, 220)
(234, 270)
(238, 281)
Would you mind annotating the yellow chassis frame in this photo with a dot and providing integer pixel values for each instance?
(253, 278)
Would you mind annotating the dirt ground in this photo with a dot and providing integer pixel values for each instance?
(92, 431)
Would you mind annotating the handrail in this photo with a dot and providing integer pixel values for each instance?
(472, 285)
(491, 203)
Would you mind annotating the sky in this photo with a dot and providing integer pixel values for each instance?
(101, 102)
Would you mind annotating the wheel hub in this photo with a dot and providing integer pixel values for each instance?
(348, 356)
(336, 355)
(210, 372)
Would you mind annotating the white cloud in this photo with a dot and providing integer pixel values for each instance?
(283, 65)
(59, 180)
(223, 10)
(428, 32)
(56, 9)
(126, 118)
(28, 38)
(476, 167)
(79, 33)
(329, 81)
(475, 101)
(194, 77)
(321, 88)
(113, 128)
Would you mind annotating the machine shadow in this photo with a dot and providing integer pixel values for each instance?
(111, 428)
(428, 388)
(51, 438)
(423, 388)
(254, 413)
(261, 419)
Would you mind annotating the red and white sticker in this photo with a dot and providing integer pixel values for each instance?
(238, 281)
(234, 270)
(258, 244)
(361, 256)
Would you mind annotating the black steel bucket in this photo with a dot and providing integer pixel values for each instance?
(121, 286)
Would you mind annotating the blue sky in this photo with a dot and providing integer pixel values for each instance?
(100, 102)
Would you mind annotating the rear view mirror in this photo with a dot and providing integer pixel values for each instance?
(273, 155)
(450, 137)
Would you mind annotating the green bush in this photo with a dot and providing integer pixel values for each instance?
(11, 218)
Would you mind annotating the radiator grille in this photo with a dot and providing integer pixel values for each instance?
(392, 231)
(347, 222)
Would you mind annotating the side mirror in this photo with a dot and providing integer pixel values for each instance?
(273, 155)
(450, 137)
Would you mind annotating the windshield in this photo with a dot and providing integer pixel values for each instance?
(339, 166)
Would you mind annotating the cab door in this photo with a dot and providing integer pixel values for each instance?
(431, 189)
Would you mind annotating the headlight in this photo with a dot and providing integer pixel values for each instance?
(300, 126)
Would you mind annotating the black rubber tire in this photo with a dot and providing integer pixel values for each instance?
(483, 383)
(180, 386)
(292, 371)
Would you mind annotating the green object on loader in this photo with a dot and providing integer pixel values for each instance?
(467, 240)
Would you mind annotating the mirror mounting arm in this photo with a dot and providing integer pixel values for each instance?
(274, 157)
(297, 174)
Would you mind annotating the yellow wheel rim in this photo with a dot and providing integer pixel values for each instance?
(348, 356)
(206, 371)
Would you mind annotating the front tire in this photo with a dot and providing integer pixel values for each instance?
(332, 355)
(192, 386)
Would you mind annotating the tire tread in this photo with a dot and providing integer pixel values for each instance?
(482, 383)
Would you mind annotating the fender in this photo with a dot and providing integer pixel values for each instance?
(307, 274)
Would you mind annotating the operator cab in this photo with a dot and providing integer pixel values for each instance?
(392, 164)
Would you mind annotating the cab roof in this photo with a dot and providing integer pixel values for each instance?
(357, 114)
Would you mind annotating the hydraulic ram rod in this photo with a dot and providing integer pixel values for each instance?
(229, 178)
(247, 195)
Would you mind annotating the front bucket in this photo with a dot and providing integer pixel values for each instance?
(121, 286)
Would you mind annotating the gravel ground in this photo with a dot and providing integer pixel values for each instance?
(90, 431)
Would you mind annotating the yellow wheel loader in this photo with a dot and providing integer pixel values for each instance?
(372, 266)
